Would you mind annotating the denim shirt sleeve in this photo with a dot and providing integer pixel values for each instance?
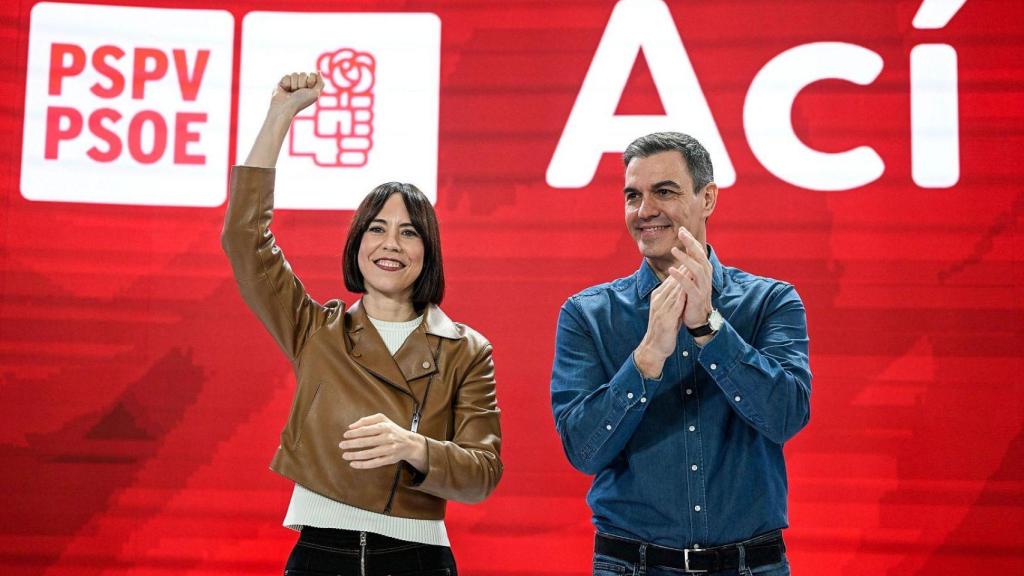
(768, 380)
(595, 417)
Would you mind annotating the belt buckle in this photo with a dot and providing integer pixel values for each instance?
(686, 562)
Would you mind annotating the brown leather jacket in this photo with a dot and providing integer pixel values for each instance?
(344, 371)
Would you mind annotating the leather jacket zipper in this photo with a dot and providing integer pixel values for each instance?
(416, 409)
(394, 484)
(362, 554)
(394, 488)
(415, 419)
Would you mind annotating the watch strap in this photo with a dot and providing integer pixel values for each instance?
(700, 330)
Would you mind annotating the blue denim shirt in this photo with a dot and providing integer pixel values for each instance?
(694, 458)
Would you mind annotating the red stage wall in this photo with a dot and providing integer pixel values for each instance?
(140, 401)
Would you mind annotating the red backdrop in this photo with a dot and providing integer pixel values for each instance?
(140, 401)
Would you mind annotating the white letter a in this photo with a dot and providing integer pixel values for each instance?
(593, 128)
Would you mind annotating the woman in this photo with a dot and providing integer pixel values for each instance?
(394, 410)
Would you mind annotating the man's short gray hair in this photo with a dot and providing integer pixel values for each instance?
(698, 161)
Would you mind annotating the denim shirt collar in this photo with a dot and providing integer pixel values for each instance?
(647, 280)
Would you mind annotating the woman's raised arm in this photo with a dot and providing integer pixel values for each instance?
(293, 93)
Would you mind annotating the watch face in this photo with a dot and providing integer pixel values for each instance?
(715, 320)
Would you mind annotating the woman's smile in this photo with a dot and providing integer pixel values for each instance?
(389, 265)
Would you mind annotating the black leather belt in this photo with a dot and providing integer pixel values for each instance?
(759, 551)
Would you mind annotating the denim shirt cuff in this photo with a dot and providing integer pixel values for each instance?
(721, 353)
(634, 390)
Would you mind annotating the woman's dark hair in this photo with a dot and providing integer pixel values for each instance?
(429, 286)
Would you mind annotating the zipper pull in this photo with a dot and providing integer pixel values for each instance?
(415, 417)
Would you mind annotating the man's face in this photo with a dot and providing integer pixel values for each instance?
(659, 199)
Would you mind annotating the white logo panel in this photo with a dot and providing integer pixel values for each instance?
(377, 118)
(127, 105)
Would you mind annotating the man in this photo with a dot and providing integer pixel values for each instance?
(677, 386)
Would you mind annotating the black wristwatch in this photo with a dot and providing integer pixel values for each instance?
(714, 324)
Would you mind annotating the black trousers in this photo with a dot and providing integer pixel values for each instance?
(326, 551)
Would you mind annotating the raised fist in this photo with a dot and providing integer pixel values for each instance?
(297, 90)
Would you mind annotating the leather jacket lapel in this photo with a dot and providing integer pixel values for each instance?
(416, 356)
(369, 351)
(414, 360)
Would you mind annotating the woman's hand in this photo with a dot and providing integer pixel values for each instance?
(296, 91)
(375, 441)
(293, 93)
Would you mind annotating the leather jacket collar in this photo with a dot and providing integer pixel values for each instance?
(415, 359)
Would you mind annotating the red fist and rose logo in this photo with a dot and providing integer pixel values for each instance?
(338, 130)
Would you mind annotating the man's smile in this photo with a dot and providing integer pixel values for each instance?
(651, 230)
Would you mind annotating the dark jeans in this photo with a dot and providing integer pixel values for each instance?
(330, 552)
(608, 566)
